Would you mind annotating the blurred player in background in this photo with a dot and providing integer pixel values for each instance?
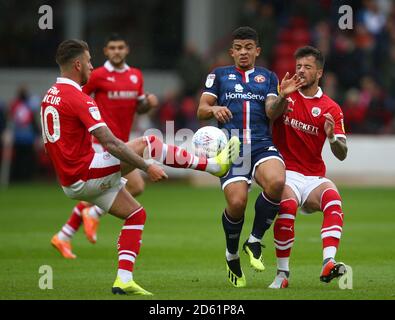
(69, 118)
(244, 98)
(119, 93)
(300, 134)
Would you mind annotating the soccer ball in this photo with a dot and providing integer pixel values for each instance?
(208, 141)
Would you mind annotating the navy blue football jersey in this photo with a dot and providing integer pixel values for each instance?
(244, 93)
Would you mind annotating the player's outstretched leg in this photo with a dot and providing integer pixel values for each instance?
(176, 157)
(62, 240)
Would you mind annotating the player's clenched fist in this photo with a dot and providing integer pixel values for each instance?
(156, 173)
(222, 114)
(152, 100)
(329, 125)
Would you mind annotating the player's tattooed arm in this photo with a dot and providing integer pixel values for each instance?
(275, 106)
(118, 148)
(208, 110)
(125, 153)
(338, 144)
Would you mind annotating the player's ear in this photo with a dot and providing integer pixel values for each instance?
(258, 51)
(319, 73)
(77, 64)
(231, 52)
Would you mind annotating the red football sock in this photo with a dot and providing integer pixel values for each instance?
(284, 232)
(332, 224)
(174, 156)
(73, 224)
(129, 241)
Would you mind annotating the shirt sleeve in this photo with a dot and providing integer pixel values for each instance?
(337, 115)
(88, 112)
(91, 87)
(273, 86)
(211, 85)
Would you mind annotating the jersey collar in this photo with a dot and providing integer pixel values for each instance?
(63, 80)
(317, 95)
(111, 68)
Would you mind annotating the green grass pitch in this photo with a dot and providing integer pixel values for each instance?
(182, 256)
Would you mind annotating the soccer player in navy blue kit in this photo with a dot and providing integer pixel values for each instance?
(244, 99)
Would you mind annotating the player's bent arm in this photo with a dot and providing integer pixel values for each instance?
(207, 109)
(118, 148)
(149, 102)
(339, 148)
(275, 106)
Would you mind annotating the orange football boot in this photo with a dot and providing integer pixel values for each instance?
(331, 270)
(64, 247)
(90, 225)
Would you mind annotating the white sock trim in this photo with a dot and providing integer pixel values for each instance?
(329, 252)
(231, 256)
(283, 264)
(253, 239)
(125, 275)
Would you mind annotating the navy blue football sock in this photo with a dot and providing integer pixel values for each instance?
(265, 213)
(232, 232)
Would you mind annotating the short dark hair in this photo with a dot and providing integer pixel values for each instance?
(114, 37)
(244, 33)
(310, 51)
(68, 50)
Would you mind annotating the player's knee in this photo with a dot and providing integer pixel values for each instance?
(330, 197)
(288, 206)
(138, 145)
(237, 204)
(275, 188)
(136, 188)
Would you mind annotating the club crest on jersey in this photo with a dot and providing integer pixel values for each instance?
(259, 78)
(134, 79)
(316, 111)
(232, 76)
(210, 80)
(95, 113)
(238, 88)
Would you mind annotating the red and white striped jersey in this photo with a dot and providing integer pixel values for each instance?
(299, 134)
(68, 116)
(117, 93)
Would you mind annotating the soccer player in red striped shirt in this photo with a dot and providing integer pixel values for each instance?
(118, 90)
(69, 117)
(311, 119)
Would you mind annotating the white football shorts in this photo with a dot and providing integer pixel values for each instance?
(303, 185)
(101, 191)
